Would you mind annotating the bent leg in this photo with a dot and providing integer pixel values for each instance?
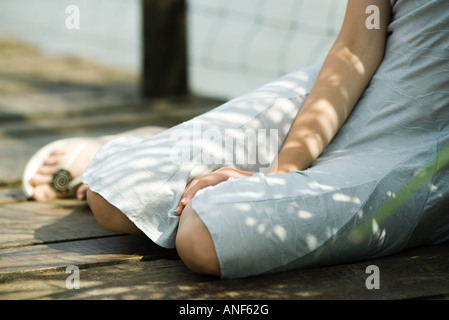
(194, 244)
(108, 216)
(262, 224)
(145, 178)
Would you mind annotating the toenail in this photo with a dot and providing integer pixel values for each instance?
(39, 195)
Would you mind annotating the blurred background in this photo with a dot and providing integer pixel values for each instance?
(234, 46)
(56, 82)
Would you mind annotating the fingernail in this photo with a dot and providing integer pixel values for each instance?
(183, 200)
(178, 209)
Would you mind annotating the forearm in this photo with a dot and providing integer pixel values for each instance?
(336, 91)
(345, 74)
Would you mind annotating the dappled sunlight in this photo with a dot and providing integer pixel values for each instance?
(302, 214)
(345, 198)
(318, 209)
(419, 179)
(315, 185)
(287, 86)
(304, 228)
(245, 133)
(357, 185)
(322, 113)
(280, 232)
(305, 210)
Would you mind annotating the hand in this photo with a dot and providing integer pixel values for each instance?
(206, 180)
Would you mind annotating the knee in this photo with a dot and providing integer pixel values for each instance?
(101, 210)
(108, 216)
(194, 244)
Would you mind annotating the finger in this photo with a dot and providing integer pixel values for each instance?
(179, 209)
(188, 195)
(184, 201)
(81, 192)
(192, 189)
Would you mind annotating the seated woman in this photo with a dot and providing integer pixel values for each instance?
(353, 135)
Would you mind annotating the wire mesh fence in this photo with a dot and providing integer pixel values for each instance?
(235, 45)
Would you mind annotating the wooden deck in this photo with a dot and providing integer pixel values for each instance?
(39, 241)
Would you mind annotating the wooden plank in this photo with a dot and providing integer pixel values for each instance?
(30, 222)
(419, 273)
(11, 195)
(60, 105)
(108, 250)
(57, 106)
(164, 48)
(119, 121)
(157, 279)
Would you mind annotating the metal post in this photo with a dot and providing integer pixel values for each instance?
(164, 48)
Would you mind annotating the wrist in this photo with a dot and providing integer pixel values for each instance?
(275, 169)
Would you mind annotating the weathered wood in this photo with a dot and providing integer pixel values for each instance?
(39, 240)
(419, 273)
(11, 195)
(110, 119)
(30, 223)
(82, 252)
(164, 48)
(27, 72)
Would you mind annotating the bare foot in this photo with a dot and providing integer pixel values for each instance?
(78, 155)
(58, 159)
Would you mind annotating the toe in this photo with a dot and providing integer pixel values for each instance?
(44, 193)
(47, 170)
(52, 160)
(39, 179)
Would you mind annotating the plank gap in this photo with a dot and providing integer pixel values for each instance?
(19, 245)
